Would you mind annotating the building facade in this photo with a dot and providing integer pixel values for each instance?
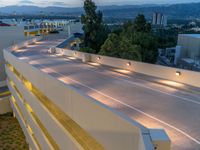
(189, 51)
(159, 19)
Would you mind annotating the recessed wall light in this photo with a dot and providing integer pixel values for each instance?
(178, 73)
(128, 63)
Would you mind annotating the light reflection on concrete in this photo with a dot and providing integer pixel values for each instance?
(171, 83)
(47, 70)
(34, 62)
(22, 50)
(94, 64)
(39, 42)
(72, 58)
(24, 58)
(122, 71)
(59, 54)
(65, 80)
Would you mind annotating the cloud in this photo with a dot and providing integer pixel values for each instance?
(26, 2)
(75, 3)
(59, 3)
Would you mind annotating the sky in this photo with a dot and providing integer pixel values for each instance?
(78, 3)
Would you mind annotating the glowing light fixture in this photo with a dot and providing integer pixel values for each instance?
(178, 73)
(128, 64)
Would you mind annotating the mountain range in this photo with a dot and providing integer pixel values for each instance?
(183, 11)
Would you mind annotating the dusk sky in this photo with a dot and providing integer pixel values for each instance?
(77, 3)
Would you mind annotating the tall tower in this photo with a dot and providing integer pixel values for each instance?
(154, 18)
(159, 19)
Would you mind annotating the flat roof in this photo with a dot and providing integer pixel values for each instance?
(191, 35)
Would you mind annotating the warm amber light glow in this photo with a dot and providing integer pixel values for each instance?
(47, 70)
(72, 58)
(178, 73)
(13, 99)
(122, 71)
(15, 47)
(171, 83)
(39, 42)
(128, 64)
(24, 58)
(28, 107)
(22, 50)
(94, 64)
(59, 54)
(30, 129)
(34, 62)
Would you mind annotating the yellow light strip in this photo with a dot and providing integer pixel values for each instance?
(25, 122)
(44, 130)
(28, 107)
(6, 93)
(78, 133)
(81, 136)
(15, 88)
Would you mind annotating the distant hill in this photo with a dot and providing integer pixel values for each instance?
(176, 11)
(38, 10)
(180, 11)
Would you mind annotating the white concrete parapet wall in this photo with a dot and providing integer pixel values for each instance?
(168, 73)
(110, 128)
(23, 44)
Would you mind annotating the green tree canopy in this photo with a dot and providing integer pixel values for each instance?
(136, 42)
(121, 47)
(141, 25)
(95, 33)
(149, 45)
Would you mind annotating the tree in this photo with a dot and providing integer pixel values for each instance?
(111, 46)
(94, 30)
(149, 45)
(139, 33)
(141, 25)
(121, 47)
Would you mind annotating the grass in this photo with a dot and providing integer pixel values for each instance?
(11, 135)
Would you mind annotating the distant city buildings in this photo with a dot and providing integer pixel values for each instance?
(43, 27)
(159, 20)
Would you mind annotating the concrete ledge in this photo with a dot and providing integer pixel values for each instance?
(160, 139)
(162, 72)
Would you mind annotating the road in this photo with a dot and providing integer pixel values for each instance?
(152, 104)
